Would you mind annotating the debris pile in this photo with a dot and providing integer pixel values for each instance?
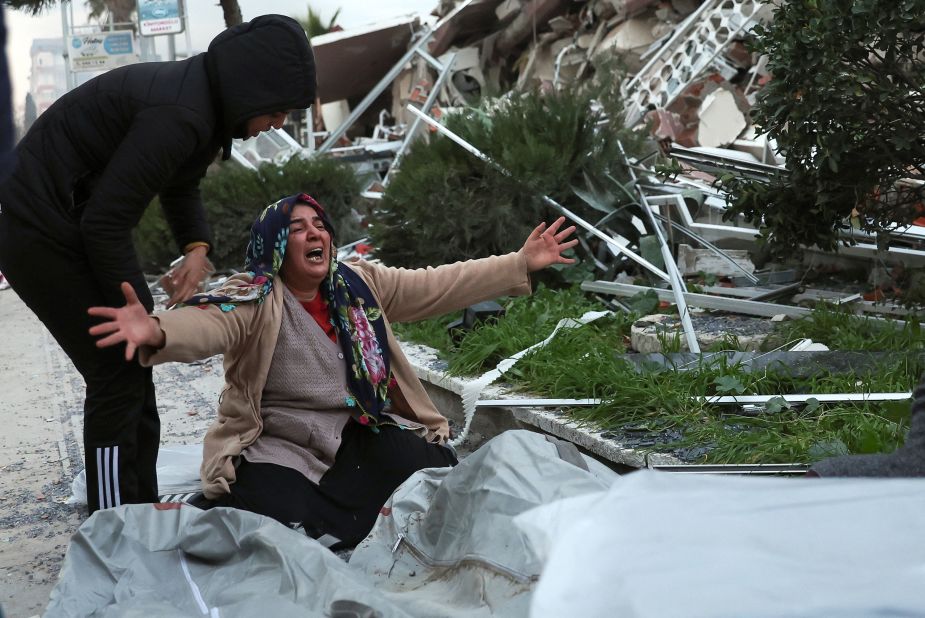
(690, 82)
(693, 79)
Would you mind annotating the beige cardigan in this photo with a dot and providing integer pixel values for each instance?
(247, 337)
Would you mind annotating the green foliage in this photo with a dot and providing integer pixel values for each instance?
(660, 403)
(233, 196)
(446, 205)
(313, 25)
(527, 321)
(432, 332)
(840, 329)
(845, 106)
(33, 7)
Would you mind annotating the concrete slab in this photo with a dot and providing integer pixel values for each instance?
(661, 332)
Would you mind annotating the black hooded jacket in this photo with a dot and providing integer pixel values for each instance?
(93, 161)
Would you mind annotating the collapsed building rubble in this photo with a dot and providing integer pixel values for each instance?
(690, 83)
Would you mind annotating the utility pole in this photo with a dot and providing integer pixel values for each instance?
(66, 37)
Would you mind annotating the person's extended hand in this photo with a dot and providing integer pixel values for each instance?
(544, 245)
(186, 278)
(130, 324)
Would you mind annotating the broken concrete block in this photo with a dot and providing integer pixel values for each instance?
(561, 25)
(757, 146)
(721, 120)
(629, 39)
(737, 54)
(334, 113)
(664, 125)
(663, 29)
(632, 8)
(558, 45)
(541, 65)
(685, 7)
(692, 261)
(467, 81)
(663, 332)
(524, 24)
(585, 40)
(466, 58)
(603, 9)
(508, 9)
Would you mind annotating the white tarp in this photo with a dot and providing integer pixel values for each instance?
(658, 544)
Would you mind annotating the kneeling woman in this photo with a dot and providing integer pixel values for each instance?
(321, 417)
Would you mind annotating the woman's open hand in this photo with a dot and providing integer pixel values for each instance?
(545, 246)
(130, 324)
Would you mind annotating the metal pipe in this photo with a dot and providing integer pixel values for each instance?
(559, 56)
(786, 290)
(373, 94)
(433, 62)
(791, 468)
(548, 200)
(792, 398)
(679, 202)
(677, 284)
(536, 403)
(412, 130)
(66, 35)
(704, 301)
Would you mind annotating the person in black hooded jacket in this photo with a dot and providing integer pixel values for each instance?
(84, 174)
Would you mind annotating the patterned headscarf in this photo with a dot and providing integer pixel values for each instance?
(355, 314)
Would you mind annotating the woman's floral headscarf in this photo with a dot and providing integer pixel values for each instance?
(355, 314)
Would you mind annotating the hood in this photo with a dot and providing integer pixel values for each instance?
(259, 67)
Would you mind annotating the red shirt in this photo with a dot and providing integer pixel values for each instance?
(318, 309)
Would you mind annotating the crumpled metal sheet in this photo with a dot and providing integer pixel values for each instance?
(459, 554)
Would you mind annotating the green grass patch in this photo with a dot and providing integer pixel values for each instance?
(657, 409)
(840, 329)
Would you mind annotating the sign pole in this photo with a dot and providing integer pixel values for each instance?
(66, 35)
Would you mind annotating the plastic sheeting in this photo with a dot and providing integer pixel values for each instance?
(445, 545)
(658, 544)
(518, 529)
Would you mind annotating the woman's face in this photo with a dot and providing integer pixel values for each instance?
(308, 250)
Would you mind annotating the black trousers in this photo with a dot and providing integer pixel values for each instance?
(121, 425)
(345, 503)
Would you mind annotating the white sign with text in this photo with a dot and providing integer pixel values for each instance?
(101, 51)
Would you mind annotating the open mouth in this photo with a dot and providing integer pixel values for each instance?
(315, 255)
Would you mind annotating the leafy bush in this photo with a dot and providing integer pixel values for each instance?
(233, 196)
(845, 106)
(446, 205)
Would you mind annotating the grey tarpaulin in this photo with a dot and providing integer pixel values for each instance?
(459, 553)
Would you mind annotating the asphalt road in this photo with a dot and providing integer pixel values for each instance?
(41, 403)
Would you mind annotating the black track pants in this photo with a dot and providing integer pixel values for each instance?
(121, 425)
(367, 469)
